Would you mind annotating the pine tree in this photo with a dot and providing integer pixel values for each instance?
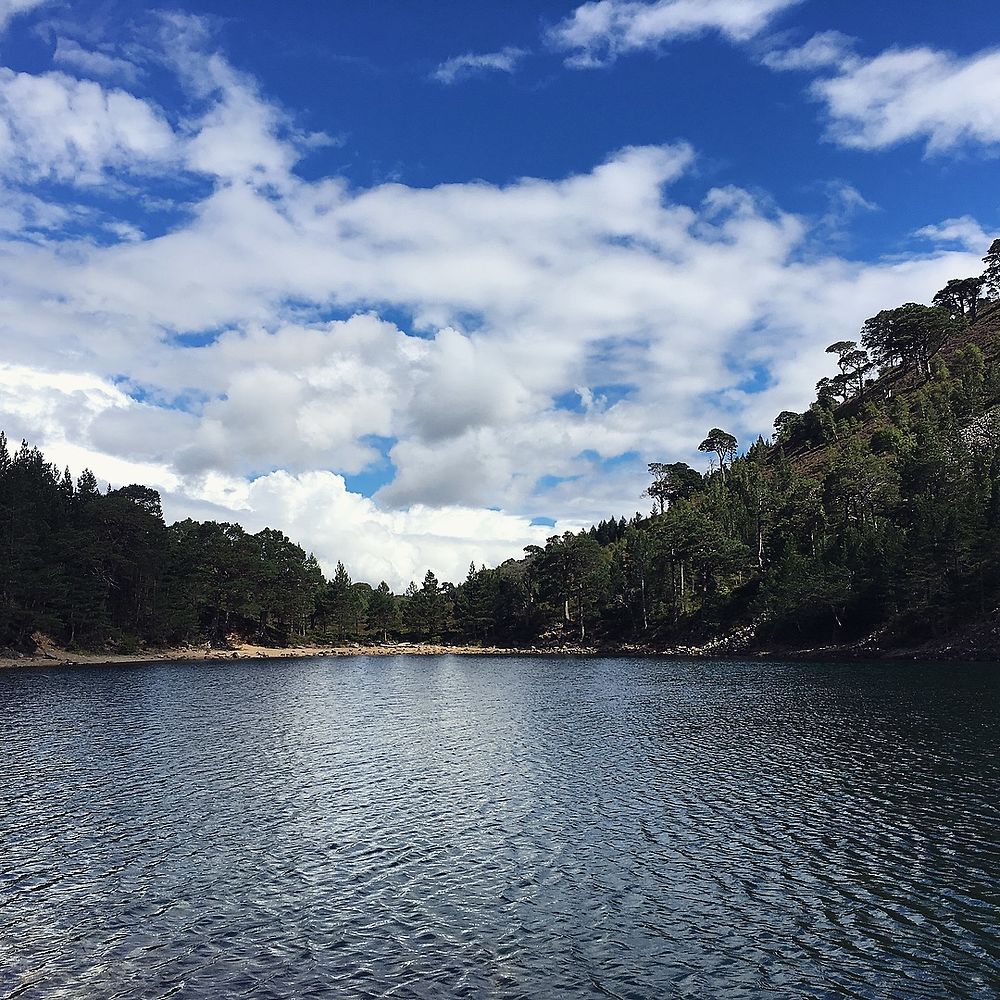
(383, 611)
(991, 276)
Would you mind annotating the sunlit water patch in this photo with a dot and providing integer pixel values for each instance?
(465, 827)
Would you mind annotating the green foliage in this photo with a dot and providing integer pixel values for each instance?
(383, 612)
(676, 481)
(341, 607)
(722, 443)
(426, 611)
(787, 426)
(991, 276)
(854, 365)
(571, 575)
(910, 334)
(961, 298)
(103, 571)
(889, 440)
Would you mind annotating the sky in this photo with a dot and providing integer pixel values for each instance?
(423, 283)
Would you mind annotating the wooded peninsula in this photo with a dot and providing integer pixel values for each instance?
(866, 526)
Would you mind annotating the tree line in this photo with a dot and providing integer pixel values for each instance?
(876, 507)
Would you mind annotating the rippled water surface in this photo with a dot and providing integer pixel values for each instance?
(466, 827)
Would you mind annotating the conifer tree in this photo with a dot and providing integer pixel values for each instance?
(991, 276)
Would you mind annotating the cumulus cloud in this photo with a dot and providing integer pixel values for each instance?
(597, 33)
(573, 284)
(37, 402)
(395, 546)
(477, 63)
(965, 231)
(53, 126)
(550, 336)
(901, 95)
(80, 131)
(314, 507)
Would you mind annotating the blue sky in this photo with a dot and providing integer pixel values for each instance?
(401, 278)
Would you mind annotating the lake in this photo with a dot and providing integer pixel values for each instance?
(513, 827)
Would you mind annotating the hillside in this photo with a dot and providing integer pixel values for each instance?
(866, 527)
(812, 457)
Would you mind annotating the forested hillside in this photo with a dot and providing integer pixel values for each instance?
(874, 512)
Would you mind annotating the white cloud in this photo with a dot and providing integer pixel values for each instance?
(597, 33)
(476, 63)
(236, 140)
(93, 62)
(314, 508)
(844, 203)
(965, 231)
(523, 296)
(9, 9)
(829, 48)
(26, 214)
(35, 402)
(572, 285)
(917, 94)
(80, 131)
(124, 231)
(53, 126)
(240, 136)
(827, 301)
(395, 546)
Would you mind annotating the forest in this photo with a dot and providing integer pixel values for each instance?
(873, 512)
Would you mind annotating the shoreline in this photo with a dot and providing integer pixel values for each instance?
(53, 656)
(50, 655)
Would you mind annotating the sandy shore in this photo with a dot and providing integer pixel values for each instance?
(52, 656)
(47, 654)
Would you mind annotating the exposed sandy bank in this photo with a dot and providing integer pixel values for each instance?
(50, 655)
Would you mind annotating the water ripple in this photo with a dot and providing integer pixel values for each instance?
(441, 827)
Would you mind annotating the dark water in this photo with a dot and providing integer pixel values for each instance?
(442, 827)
